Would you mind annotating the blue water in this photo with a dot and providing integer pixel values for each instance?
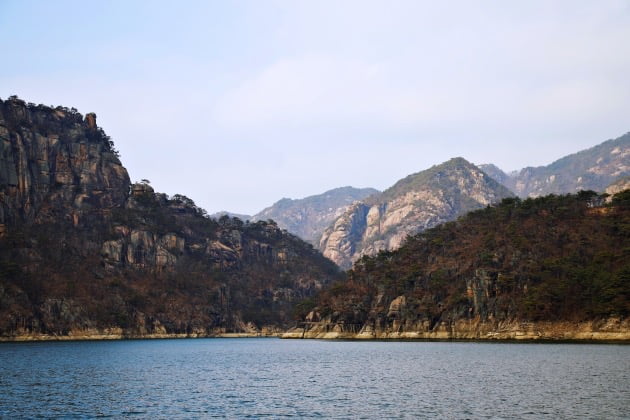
(241, 378)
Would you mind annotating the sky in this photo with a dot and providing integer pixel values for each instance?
(237, 104)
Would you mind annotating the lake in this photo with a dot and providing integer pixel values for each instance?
(266, 377)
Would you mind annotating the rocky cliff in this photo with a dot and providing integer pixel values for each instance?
(308, 217)
(55, 164)
(415, 203)
(590, 169)
(554, 267)
(85, 253)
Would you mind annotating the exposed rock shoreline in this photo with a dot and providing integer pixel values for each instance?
(608, 330)
(118, 334)
(612, 329)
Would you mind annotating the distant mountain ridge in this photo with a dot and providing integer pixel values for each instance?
(308, 217)
(590, 169)
(416, 202)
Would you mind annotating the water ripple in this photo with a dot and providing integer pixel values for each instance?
(258, 378)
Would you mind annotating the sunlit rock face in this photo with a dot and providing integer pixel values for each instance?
(415, 203)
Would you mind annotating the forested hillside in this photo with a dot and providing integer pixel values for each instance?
(549, 259)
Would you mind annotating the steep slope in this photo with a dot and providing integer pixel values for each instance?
(85, 253)
(551, 267)
(590, 169)
(308, 217)
(618, 186)
(415, 203)
(55, 165)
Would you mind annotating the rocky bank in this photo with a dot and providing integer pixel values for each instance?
(611, 329)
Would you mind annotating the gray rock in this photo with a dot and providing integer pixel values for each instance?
(415, 203)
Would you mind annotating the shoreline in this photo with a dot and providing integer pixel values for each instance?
(604, 330)
(288, 337)
(601, 339)
(610, 329)
(29, 338)
(624, 339)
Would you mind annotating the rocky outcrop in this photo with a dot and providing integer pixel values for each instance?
(308, 217)
(591, 169)
(55, 165)
(139, 248)
(418, 202)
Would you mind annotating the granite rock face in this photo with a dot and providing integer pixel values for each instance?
(415, 203)
(590, 169)
(54, 164)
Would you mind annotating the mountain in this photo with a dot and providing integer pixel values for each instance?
(229, 214)
(417, 202)
(553, 267)
(590, 169)
(85, 253)
(308, 217)
(496, 173)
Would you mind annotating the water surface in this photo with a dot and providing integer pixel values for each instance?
(309, 378)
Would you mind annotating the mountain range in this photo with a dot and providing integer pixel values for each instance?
(347, 223)
(84, 253)
(591, 169)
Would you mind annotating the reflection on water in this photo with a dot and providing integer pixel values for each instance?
(308, 378)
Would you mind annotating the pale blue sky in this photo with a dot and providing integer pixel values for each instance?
(238, 104)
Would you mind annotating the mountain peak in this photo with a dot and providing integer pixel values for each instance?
(416, 202)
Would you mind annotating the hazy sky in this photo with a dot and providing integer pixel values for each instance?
(238, 104)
